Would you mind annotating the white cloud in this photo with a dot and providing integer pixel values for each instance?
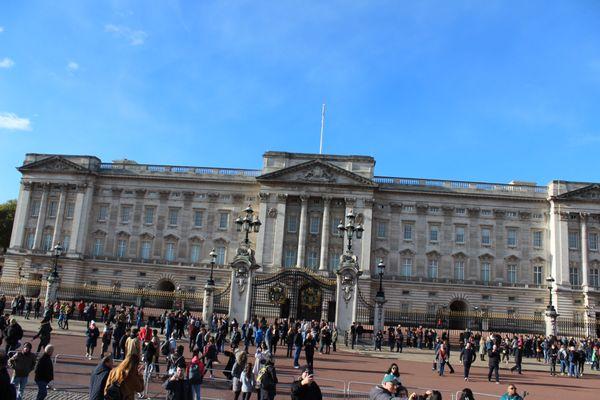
(1, 29)
(13, 122)
(134, 37)
(72, 66)
(6, 63)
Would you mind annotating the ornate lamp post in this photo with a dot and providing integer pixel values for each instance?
(209, 289)
(213, 260)
(350, 230)
(248, 223)
(551, 313)
(381, 268)
(379, 319)
(53, 278)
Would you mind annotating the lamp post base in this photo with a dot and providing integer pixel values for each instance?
(51, 291)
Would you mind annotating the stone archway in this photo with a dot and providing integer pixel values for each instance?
(165, 301)
(458, 314)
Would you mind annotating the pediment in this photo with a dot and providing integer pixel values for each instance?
(317, 172)
(586, 193)
(53, 164)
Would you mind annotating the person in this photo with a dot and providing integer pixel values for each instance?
(378, 340)
(176, 360)
(305, 388)
(467, 357)
(14, 333)
(248, 382)
(511, 394)
(267, 379)
(99, 377)
(132, 344)
(196, 373)
(241, 358)
(7, 389)
(494, 363)
(107, 334)
(92, 333)
(44, 372)
(43, 334)
(23, 362)
(387, 390)
(553, 355)
(353, 334)
(518, 354)
(149, 353)
(209, 354)
(125, 379)
(334, 339)
(36, 308)
(309, 349)
(442, 357)
(466, 394)
(178, 387)
(298, 342)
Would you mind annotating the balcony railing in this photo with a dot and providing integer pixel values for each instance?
(173, 169)
(461, 185)
(419, 279)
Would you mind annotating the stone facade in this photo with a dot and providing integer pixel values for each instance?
(445, 243)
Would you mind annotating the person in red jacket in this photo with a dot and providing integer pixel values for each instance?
(145, 334)
(80, 309)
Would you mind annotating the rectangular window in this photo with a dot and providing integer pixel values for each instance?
(381, 229)
(334, 260)
(221, 255)
(538, 239)
(485, 271)
(125, 214)
(573, 240)
(434, 232)
(512, 273)
(431, 309)
(47, 242)
(52, 209)
(594, 277)
(170, 252)
(537, 274)
(198, 218)
(315, 222)
(432, 269)
(486, 236)
(459, 270)
(486, 212)
(122, 248)
(103, 212)
(290, 258)
(223, 220)
(404, 307)
(461, 211)
(312, 259)
(149, 215)
(408, 231)
(30, 239)
(511, 214)
(292, 223)
(511, 237)
(334, 225)
(195, 253)
(70, 210)
(459, 236)
(406, 267)
(173, 216)
(574, 276)
(66, 242)
(35, 208)
(98, 247)
(593, 241)
(145, 249)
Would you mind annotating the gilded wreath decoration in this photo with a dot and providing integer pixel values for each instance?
(311, 297)
(277, 294)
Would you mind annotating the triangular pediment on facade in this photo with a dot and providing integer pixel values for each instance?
(53, 164)
(586, 193)
(317, 172)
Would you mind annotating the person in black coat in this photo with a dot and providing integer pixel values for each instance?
(467, 357)
(44, 372)
(43, 334)
(309, 349)
(178, 387)
(494, 363)
(14, 333)
(7, 389)
(306, 388)
(99, 377)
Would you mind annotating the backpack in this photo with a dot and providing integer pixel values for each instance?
(261, 375)
(194, 375)
(165, 349)
(113, 392)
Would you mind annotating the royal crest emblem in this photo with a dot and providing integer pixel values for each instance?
(277, 294)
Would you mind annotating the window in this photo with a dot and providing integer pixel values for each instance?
(170, 251)
(290, 258)
(145, 249)
(47, 242)
(102, 212)
(536, 216)
(573, 240)
(223, 220)
(594, 277)
(459, 270)
(35, 208)
(52, 209)
(313, 259)
(404, 307)
(220, 255)
(334, 225)
(432, 269)
(486, 213)
(292, 223)
(314, 225)
(173, 216)
(574, 275)
(198, 218)
(408, 208)
(459, 236)
(511, 237)
(511, 214)
(125, 214)
(98, 247)
(434, 232)
(593, 241)
(485, 271)
(408, 231)
(70, 210)
(334, 260)
(149, 215)
(537, 274)
(66, 242)
(486, 236)
(122, 248)
(30, 240)
(538, 239)
(434, 210)
(431, 309)
(406, 267)
(195, 253)
(461, 211)
(381, 229)
(512, 273)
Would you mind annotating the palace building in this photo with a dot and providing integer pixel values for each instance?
(453, 244)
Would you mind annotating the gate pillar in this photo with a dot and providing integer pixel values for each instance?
(243, 268)
(208, 302)
(379, 319)
(347, 292)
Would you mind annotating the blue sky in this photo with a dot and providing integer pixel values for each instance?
(465, 90)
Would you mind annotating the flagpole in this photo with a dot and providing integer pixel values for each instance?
(322, 127)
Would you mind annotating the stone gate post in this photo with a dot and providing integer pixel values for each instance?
(347, 292)
(243, 268)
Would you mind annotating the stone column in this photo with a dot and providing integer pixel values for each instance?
(59, 216)
(39, 227)
(379, 319)
(559, 249)
(21, 216)
(550, 319)
(83, 208)
(279, 231)
(365, 254)
(260, 239)
(77, 219)
(325, 235)
(208, 303)
(51, 290)
(302, 231)
(585, 270)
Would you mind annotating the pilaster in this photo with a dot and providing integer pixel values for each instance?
(39, 227)
(21, 215)
(302, 231)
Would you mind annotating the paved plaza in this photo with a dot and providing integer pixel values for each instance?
(356, 370)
